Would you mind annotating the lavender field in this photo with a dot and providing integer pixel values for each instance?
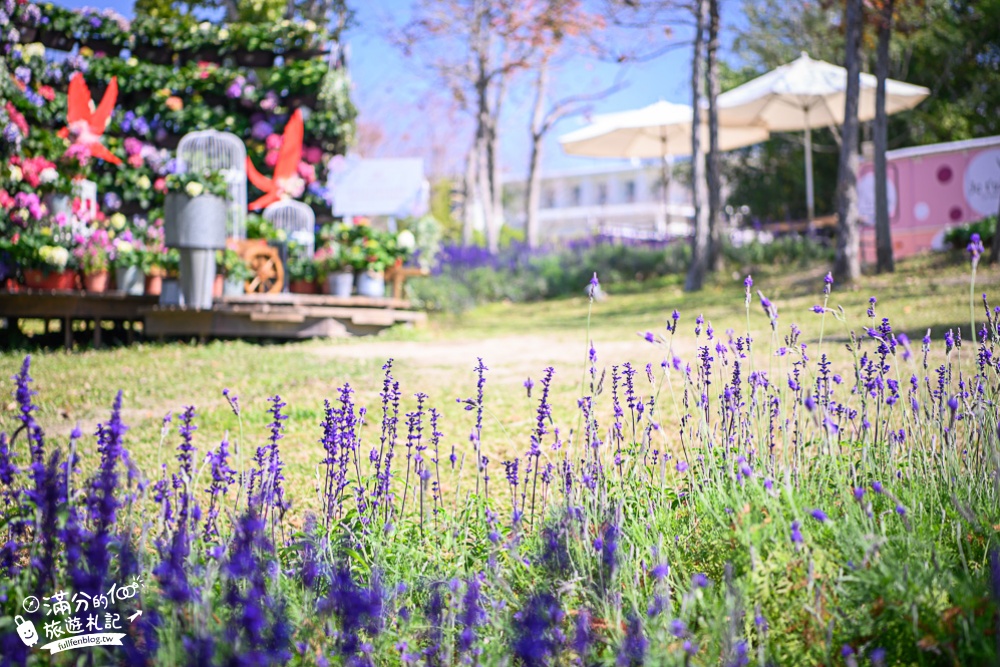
(757, 493)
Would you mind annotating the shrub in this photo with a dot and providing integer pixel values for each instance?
(958, 237)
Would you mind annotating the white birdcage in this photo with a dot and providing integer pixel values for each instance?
(298, 222)
(220, 151)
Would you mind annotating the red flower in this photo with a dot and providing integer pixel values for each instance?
(47, 92)
(17, 118)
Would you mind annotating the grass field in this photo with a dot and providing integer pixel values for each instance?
(516, 341)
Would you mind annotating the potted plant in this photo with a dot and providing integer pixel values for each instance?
(235, 273)
(170, 293)
(94, 258)
(195, 223)
(302, 274)
(129, 277)
(52, 270)
(334, 270)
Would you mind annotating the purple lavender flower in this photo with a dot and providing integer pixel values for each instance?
(699, 580)
(632, 652)
(537, 637)
(819, 515)
(975, 248)
(796, 532)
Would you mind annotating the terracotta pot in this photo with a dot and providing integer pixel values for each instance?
(154, 284)
(217, 285)
(65, 280)
(303, 287)
(96, 282)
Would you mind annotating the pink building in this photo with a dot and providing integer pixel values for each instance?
(931, 189)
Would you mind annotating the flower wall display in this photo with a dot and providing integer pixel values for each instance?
(111, 100)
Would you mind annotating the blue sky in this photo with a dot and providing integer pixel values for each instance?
(402, 100)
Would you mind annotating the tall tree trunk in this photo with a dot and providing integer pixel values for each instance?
(700, 240)
(532, 194)
(847, 262)
(883, 234)
(995, 246)
(471, 199)
(713, 165)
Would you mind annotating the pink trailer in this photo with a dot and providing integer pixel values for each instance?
(931, 189)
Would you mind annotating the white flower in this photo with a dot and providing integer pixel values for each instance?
(224, 34)
(124, 247)
(194, 188)
(55, 256)
(48, 175)
(34, 50)
(406, 240)
(15, 173)
(143, 182)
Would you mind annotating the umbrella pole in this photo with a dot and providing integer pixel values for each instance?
(810, 202)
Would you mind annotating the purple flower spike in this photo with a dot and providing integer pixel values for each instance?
(819, 515)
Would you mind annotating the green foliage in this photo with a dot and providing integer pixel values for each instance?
(783, 251)
(441, 207)
(959, 237)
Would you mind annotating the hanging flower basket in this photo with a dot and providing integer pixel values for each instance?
(28, 34)
(254, 58)
(61, 280)
(157, 55)
(57, 40)
(105, 46)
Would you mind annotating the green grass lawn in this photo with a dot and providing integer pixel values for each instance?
(516, 341)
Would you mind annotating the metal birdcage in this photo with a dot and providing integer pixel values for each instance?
(220, 151)
(298, 221)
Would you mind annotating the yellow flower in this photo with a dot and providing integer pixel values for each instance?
(194, 188)
(86, 51)
(15, 173)
(45, 231)
(143, 182)
(118, 221)
(34, 50)
(124, 247)
(224, 34)
(132, 62)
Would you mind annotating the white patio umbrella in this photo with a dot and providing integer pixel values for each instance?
(807, 94)
(660, 130)
(657, 131)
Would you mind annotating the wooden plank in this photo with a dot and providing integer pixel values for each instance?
(289, 299)
(277, 317)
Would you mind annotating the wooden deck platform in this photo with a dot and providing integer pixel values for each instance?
(69, 306)
(281, 316)
(292, 316)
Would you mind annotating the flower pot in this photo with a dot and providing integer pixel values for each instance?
(254, 58)
(197, 276)
(56, 40)
(217, 285)
(96, 282)
(340, 284)
(170, 294)
(371, 284)
(28, 34)
(61, 280)
(303, 287)
(157, 55)
(233, 287)
(198, 222)
(129, 279)
(59, 203)
(154, 284)
(105, 46)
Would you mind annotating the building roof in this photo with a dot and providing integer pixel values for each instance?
(947, 147)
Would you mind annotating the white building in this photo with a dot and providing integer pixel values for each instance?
(616, 201)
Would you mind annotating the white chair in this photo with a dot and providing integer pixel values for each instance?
(220, 151)
(298, 222)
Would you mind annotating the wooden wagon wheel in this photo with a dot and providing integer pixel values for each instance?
(269, 274)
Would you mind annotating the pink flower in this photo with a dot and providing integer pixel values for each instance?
(307, 172)
(273, 142)
(135, 160)
(160, 184)
(312, 154)
(271, 158)
(133, 146)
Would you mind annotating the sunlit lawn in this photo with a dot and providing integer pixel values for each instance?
(515, 340)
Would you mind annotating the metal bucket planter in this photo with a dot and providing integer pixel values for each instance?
(198, 227)
(170, 293)
(59, 204)
(130, 280)
(371, 284)
(340, 284)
